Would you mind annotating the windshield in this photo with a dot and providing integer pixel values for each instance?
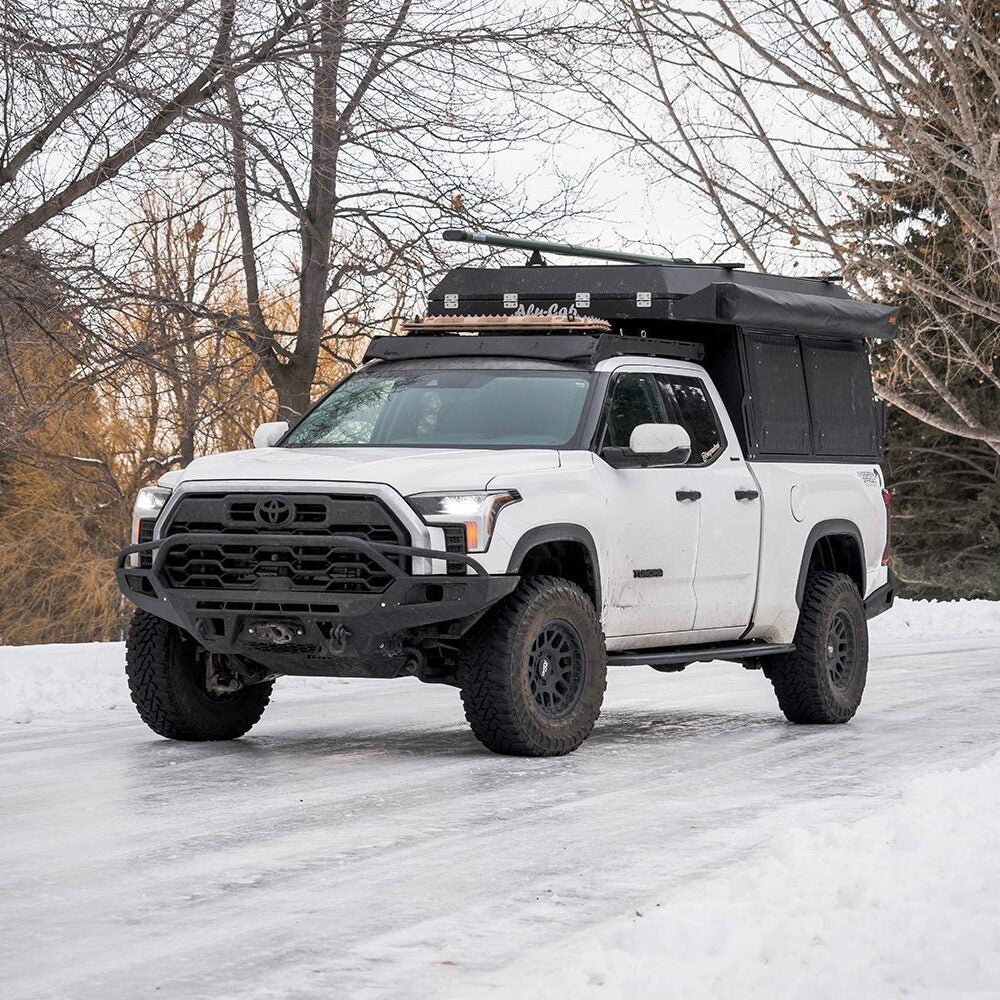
(448, 409)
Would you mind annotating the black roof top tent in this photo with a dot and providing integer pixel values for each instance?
(655, 289)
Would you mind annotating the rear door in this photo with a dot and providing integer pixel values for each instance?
(729, 507)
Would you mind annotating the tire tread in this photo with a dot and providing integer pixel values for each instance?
(149, 652)
(800, 682)
(487, 692)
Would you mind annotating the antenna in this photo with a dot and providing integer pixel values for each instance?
(565, 249)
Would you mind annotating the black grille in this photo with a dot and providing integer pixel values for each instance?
(454, 541)
(264, 566)
(146, 527)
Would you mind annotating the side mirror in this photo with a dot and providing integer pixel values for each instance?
(651, 446)
(667, 444)
(268, 435)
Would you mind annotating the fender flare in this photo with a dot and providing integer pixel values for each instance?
(822, 530)
(558, 533)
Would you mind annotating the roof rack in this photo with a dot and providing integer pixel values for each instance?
(573, 348)
(546, 323)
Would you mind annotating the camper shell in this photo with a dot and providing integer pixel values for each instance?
(788, 355)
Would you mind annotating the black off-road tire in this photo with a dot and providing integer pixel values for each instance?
(166, 677)
(533, 673)
(824, 679)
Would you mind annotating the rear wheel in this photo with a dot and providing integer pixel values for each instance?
(824, 679)
(534, 672)
(168, 675)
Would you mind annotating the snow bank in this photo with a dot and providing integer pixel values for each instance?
(39, 681)
(72, 678)
(61, 679)
(937, 620)
(903, 903)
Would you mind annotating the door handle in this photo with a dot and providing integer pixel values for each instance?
(688, 495)
(746, 494)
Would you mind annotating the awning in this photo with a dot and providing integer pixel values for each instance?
(797, 312)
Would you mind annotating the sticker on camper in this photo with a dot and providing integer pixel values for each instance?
(553, 310)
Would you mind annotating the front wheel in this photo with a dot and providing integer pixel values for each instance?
(533, 674)
(168, 676)
(824, 678)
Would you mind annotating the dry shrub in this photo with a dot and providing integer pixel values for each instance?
(57, 536)
(62, 515)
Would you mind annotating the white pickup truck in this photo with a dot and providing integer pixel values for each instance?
(559, 468)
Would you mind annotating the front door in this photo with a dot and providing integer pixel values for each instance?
(654, 531)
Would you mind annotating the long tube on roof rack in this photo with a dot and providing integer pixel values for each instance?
(565, 249)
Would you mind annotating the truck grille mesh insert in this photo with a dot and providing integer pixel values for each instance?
(264, 566)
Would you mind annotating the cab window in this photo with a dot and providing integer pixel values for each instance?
(687, 398)
(636, 398)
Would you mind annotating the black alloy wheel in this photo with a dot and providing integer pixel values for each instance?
(841, 649)
(556, 667)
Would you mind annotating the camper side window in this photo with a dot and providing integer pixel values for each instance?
(779, 408)
(810, 397)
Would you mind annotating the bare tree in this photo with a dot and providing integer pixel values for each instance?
(853, 138)
(177, 329)
(343, 132)
(92, 85)
(93, 97)
(345, 155)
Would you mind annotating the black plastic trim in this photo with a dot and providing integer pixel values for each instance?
(823, 530)
(734, 651)
(375, 550)
(572, 348)
(816, 459)
(562, 532)
(882, 598)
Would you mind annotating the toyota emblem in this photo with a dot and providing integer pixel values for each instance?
(272, 512)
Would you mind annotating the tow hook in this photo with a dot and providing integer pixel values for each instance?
(340, 636)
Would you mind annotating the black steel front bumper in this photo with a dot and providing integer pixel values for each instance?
(327, 628)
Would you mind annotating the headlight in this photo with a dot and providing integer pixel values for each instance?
(148, 505)
(477, 512)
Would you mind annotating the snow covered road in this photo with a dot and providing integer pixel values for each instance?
(359, 843)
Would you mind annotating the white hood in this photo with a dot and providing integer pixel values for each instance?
(407, 470)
